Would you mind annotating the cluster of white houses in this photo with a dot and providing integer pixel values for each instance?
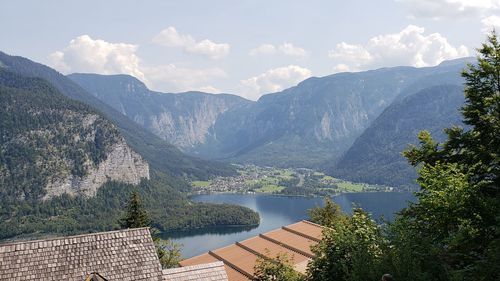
(130, 254)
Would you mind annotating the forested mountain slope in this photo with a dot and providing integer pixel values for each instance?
(376, 156)
(159, 153)
(65, 168)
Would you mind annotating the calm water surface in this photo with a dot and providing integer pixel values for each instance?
(276, 211)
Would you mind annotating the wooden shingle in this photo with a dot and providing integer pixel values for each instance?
(203, 272)
(116, 255)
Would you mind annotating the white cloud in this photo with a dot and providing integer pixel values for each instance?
(264, 49)
(170, 37)
(408, 47)
(273, 80)
(341, 67)
(287, 49)
(490, 23)
(438, 9)
(290, 50)
(84, 54)
(171, 78)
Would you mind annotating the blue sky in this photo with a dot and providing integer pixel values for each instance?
(242, 47)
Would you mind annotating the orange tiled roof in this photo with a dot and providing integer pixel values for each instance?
(239, 259)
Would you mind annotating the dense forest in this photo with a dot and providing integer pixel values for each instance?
(160, 154)
(44, 137)
(169, 210)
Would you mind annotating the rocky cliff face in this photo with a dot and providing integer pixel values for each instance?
(51, 145)
(185, 119)
(303, 126)
(188, 128)
(121, 164)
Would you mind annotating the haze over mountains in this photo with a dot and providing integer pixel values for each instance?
(74, 147)
(322, 122)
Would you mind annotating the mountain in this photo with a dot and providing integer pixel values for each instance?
(184, 119)
(303, 126)
(158, 153)
(376, 155)
(66, 168)
(53, 145)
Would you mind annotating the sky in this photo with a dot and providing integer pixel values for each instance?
(244, 47)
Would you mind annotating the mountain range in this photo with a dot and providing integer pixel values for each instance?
(68, 162)
(74, 147)
(320, 123)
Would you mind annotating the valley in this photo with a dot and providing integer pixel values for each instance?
(253, 179)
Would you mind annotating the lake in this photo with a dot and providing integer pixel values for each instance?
(276, 211)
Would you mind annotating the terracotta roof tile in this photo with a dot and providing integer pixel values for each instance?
(292, 240)
(232, 274)
(239, 259)
(307, 229)
(270, 249)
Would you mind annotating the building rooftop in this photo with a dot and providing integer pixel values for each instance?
(239, 259)
(202, 272)
(116, 255)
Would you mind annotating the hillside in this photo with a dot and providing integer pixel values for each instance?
(375, 157)
(158, 153)
(65, 168)
(52, 145)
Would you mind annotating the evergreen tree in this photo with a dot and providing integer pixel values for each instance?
(169, 253)
(457, 218)
(136, 215)
(327, 215)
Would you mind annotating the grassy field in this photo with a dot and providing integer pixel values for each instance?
(200, 183)
(270, 188)
(350, 187)
(286, 181)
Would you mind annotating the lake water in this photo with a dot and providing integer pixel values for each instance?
(276, 211)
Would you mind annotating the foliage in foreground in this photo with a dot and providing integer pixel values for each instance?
(279, 268)
(453, 232)
(456, 223)
(169, 253)
(351, 249)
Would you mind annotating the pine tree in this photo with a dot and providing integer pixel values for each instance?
(136, 215)
(459, 204)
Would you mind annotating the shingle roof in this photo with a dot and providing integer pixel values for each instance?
(116, 255)
(202, 272)
(239, 259)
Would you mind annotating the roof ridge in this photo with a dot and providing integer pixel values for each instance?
(291, 248)
(312, 223)
(230, 264)
(286, 228)
(248, 249)
(73, 236)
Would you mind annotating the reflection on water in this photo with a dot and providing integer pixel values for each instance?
(276, 211)
(208, 230)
